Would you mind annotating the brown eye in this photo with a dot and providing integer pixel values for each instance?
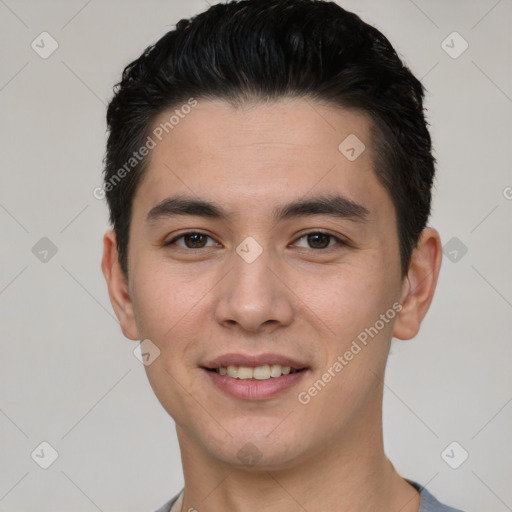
(191, 240)
(320, 240)
(195, 240)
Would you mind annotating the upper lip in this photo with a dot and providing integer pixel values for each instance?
(226, 360)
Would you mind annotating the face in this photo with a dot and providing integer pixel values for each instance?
(294, 260)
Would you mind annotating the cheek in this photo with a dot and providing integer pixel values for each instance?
(162, 301)
(166, 306)
(356, 345)
(348, 299)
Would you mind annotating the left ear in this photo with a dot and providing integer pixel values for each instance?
(419, 284)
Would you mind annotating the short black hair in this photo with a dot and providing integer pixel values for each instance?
(268, 49)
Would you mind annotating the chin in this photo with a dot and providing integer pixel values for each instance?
(257, 451)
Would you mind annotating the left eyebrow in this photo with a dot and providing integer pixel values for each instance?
(335, 206)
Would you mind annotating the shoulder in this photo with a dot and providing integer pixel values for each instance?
(429, 503)
(166, 507)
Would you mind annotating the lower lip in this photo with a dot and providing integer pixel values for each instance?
(252, 389)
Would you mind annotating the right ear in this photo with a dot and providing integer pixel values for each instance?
(117, 286)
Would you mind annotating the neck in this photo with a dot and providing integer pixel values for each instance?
(350, 472)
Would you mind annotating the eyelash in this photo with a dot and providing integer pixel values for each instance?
(338, 240)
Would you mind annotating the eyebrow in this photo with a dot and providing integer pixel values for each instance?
(332, 205)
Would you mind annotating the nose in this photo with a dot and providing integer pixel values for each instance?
(254, 296)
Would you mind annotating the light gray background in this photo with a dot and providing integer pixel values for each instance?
(69, 377)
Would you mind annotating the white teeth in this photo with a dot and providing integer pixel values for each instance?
(263, 372)
(244, 372)
(232, 371)
(275, 370)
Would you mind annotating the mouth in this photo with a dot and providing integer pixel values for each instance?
(262, 372)
(255, 377)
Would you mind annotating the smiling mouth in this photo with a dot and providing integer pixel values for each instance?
(263, 372)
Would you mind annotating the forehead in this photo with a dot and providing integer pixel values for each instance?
(258, 153)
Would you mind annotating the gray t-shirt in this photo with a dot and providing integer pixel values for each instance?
(428, 502)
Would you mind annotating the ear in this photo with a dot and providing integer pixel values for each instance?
(117, 286)
(419, 284)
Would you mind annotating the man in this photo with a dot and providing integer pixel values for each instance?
(268, 174)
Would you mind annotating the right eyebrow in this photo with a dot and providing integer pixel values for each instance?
(178, 205)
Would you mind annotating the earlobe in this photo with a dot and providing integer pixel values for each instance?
(117, 286)
(419, 284)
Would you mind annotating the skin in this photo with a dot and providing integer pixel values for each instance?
(307, 303)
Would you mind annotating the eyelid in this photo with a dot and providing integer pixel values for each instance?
(340, 241)
(185, 233)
